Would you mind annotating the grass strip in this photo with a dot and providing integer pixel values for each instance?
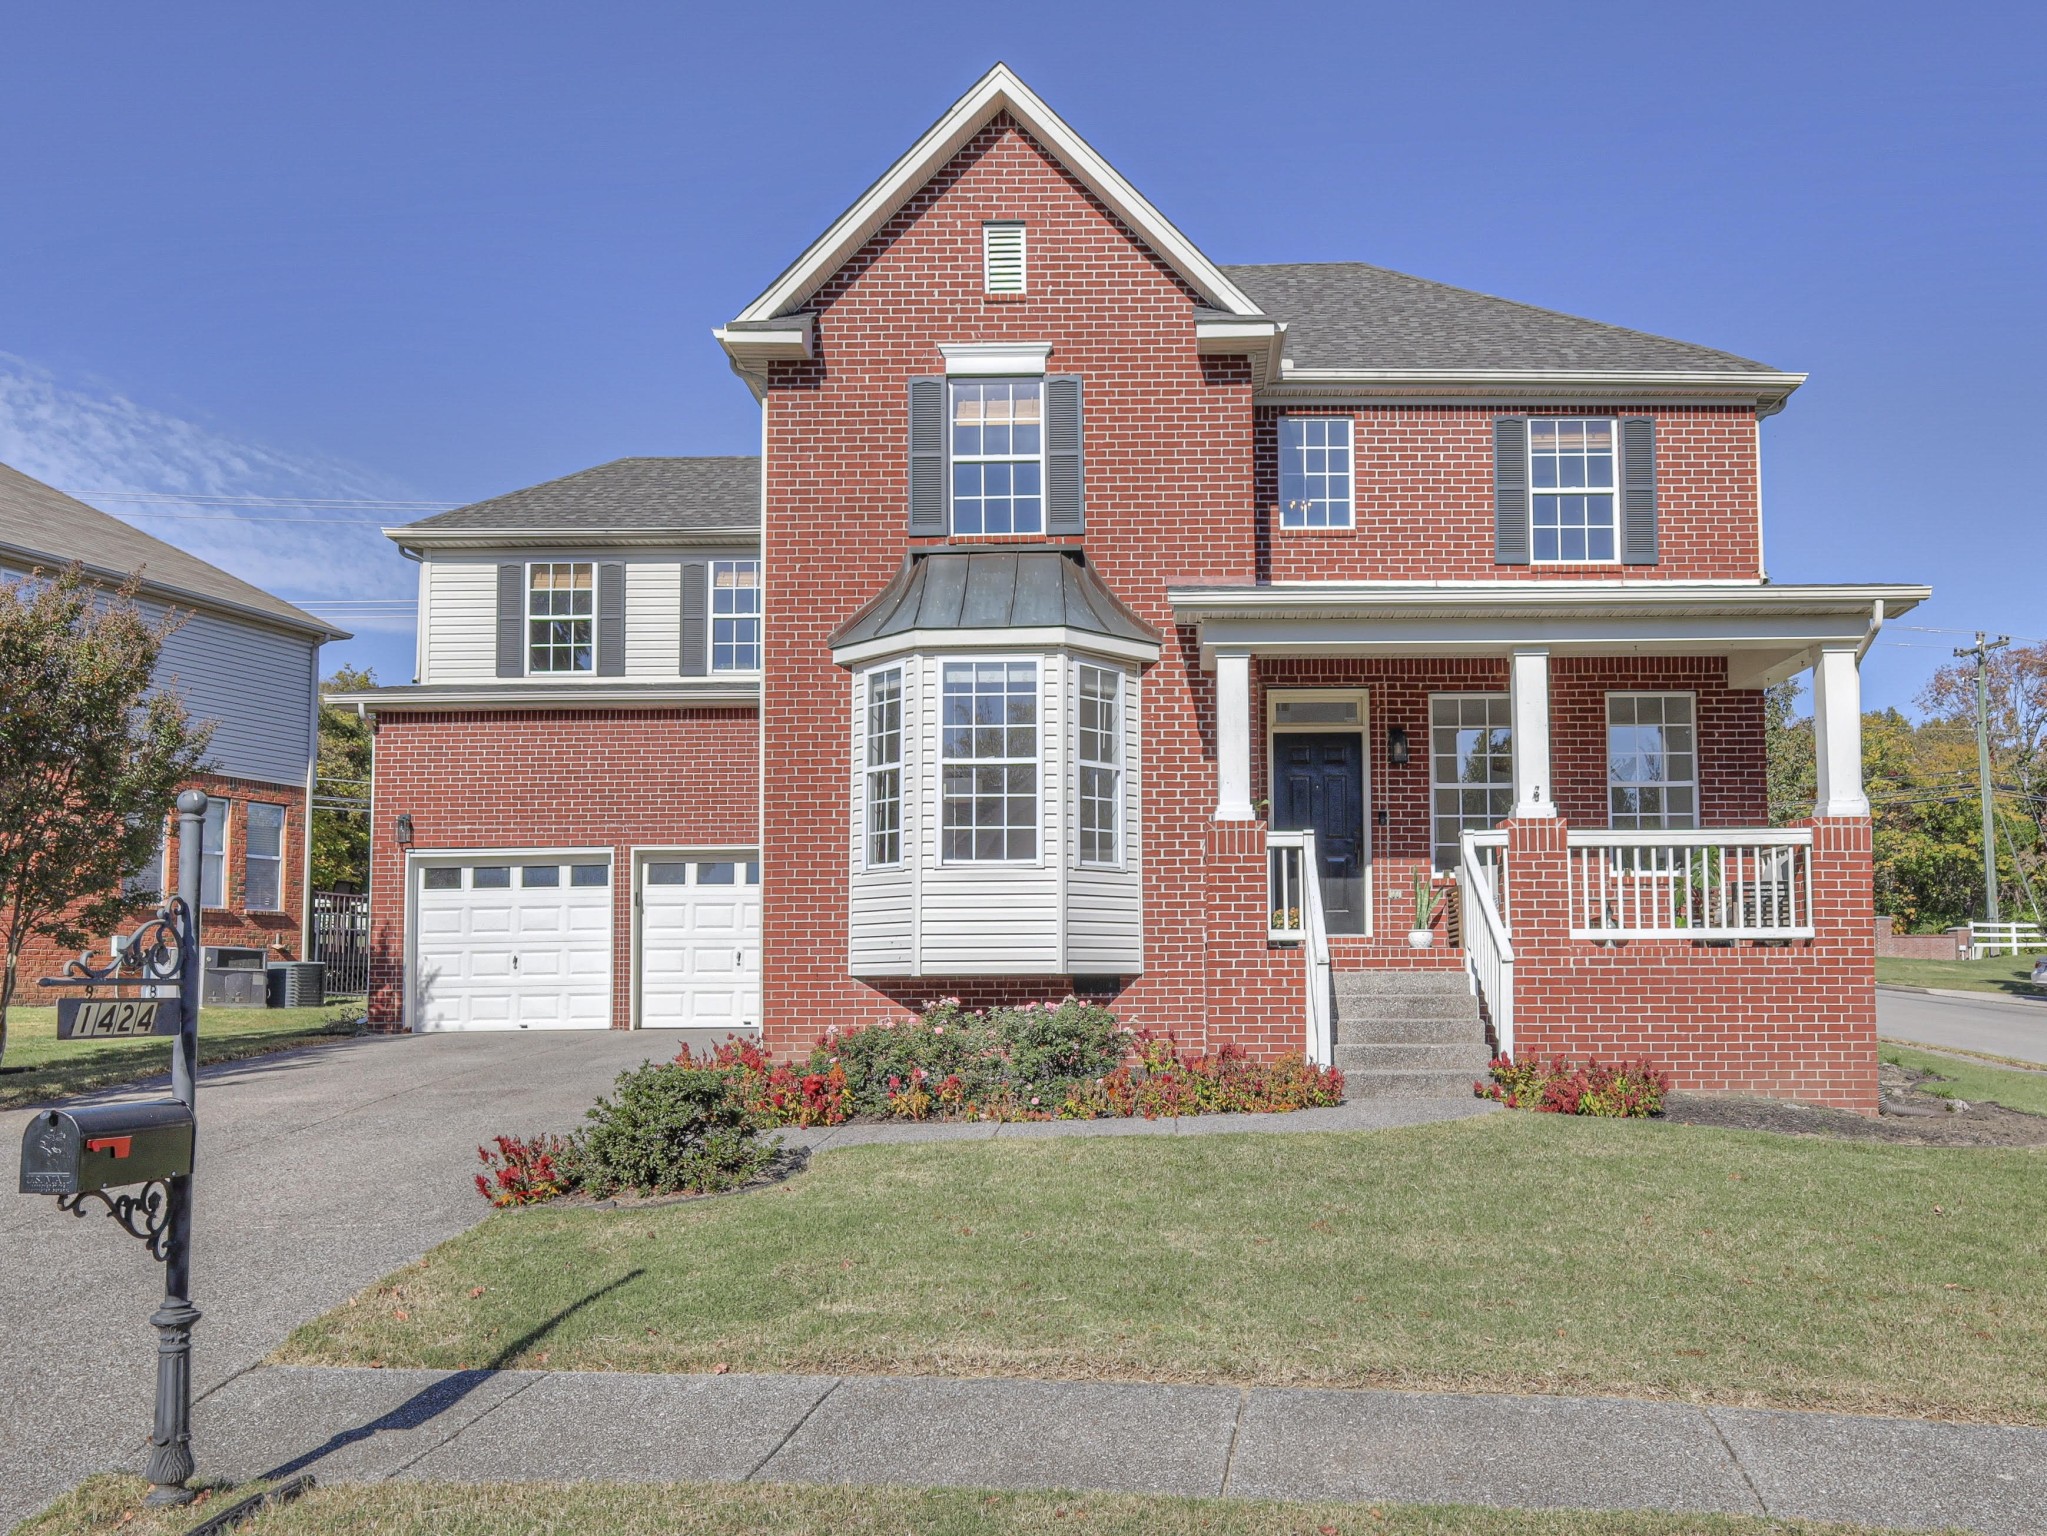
(2009, 974)
(61, 1067)
(1972, 1081)
(111, 1503)
(1513, 1252)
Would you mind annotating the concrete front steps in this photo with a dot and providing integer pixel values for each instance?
(1408, 1034)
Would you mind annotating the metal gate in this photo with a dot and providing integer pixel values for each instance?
(341, 940)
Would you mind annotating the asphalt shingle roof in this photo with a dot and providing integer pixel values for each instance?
(995, 589)
(40, 525)
(1350, 315)
(624, 496)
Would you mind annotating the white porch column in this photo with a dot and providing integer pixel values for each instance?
(1837, 734)
(1233, 736)
(1528, 696)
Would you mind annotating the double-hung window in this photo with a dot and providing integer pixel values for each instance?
(998, 456)
(213, 855)
(1315, 472)
(1100, 715)
(1471, 768)
(735, 615)
(989, 761)
(263, 857)
(1571, 482)
(561, 617)
(884, 768)
(1652, 773)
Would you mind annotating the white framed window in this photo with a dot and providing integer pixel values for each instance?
(1572, 517)
(998, 455)
(1099, 753)
(561, 616)
(735, 615)
(1002, 256)
(884, 829)
(988, 755)
(1315, 471)
(213, 855)
(1471, 768)
(263, 857)
(1652, 760)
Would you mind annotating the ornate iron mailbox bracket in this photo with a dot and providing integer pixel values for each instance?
(146, 1214)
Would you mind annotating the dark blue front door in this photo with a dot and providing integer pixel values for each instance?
(1318, 781)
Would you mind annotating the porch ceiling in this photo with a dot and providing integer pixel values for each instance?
(1767, 632)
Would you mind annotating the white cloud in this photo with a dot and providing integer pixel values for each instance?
(84, 440)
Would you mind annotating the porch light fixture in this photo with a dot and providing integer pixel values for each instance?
(1396, 746)
(404, 829)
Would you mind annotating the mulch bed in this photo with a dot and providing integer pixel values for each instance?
(1910, 1115)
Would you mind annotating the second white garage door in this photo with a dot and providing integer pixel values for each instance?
(700, 943)
(512, 943)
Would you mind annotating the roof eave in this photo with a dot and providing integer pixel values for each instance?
(573, 538)
(1767, 389)
(184, 597)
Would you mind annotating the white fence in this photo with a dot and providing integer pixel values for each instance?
(1752, 883)
(2004, 938)
(1488, 946)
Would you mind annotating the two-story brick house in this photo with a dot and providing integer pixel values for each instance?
(1085, 594)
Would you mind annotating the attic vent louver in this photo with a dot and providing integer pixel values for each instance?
(1002, 256)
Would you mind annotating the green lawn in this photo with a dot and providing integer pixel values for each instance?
(1515, 1252)
(110, 1503)
(1975, 1081)
(58, 1067)
(1998, 973)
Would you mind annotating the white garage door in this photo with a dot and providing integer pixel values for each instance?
(700, 943)
(513, 943)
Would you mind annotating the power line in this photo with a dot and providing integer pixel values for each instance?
(203, 499)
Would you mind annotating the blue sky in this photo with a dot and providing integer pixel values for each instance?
(429, 252)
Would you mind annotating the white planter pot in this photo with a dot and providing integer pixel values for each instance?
(1420, 938)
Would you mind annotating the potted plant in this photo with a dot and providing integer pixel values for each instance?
(1421, 936)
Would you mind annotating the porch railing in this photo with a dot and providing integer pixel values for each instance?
(1488, 944)
(1295, 890)
(1752, 883)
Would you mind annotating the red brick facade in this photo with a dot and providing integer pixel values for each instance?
(277, 933)
(614, 779)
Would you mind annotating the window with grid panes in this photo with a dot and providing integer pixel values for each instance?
(1571, 488)
(885, 767)
(1652, 761)
(735, 615)
(1315, 467)
(998, 466)
(989, 761)
(1471, 768)
(561, 617)
(1099, 710)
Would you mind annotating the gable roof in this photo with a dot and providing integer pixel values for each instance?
(1343, 316)
(40, 525)
(640, 496)
(995, 92)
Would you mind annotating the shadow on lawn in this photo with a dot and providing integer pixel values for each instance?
(430, 1402)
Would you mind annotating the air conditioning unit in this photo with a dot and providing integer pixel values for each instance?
(298, 984)
(231, 976)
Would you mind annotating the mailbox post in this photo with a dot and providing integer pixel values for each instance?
(82, 1153)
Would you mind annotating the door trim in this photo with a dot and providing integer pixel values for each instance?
(1362, 697)
(639, 856)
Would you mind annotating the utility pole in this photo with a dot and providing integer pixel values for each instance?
(1980, 652)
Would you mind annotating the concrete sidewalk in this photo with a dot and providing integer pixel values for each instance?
(1530, 1452)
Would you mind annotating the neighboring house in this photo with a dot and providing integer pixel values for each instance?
(246, 662)
(1091, 589)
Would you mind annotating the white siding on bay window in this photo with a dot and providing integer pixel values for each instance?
(1105, 907)
(882, 919)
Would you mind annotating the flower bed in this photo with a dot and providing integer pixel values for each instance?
(1614, 1090)
(690, 1126)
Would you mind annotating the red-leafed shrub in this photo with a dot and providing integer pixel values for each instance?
(775, 1091)
(1166, 1081)
(525, 1170)
(1613, 1090)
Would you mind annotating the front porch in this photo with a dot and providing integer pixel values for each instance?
(1577, 784)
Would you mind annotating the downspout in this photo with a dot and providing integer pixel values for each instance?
(312, 788)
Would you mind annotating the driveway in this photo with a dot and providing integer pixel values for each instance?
(318, 1171)
(2002, 1026)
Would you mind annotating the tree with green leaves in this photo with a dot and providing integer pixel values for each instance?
(341, 832)
(91, 757)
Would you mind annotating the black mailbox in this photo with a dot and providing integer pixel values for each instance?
(99, 1146)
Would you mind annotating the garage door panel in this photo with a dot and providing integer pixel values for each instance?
(699, 951)
(516, 954)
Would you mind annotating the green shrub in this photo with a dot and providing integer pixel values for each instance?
(671, 1128)
(880, 1060)
(1049, 1046)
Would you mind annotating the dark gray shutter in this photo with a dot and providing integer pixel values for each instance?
(1638, 491)
(611, 619)
(1063, 510)
(511, 621)
(1510, 490)
(929, 491)
(696, 602)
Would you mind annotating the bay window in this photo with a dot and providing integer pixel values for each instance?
(1099, 783)
(884, 830)
(989, 756)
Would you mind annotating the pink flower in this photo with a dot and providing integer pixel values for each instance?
(1034, 1098)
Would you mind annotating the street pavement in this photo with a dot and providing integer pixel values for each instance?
(1136, 1437)
(1981, 1021)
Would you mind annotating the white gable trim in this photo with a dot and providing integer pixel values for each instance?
(997, 91)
